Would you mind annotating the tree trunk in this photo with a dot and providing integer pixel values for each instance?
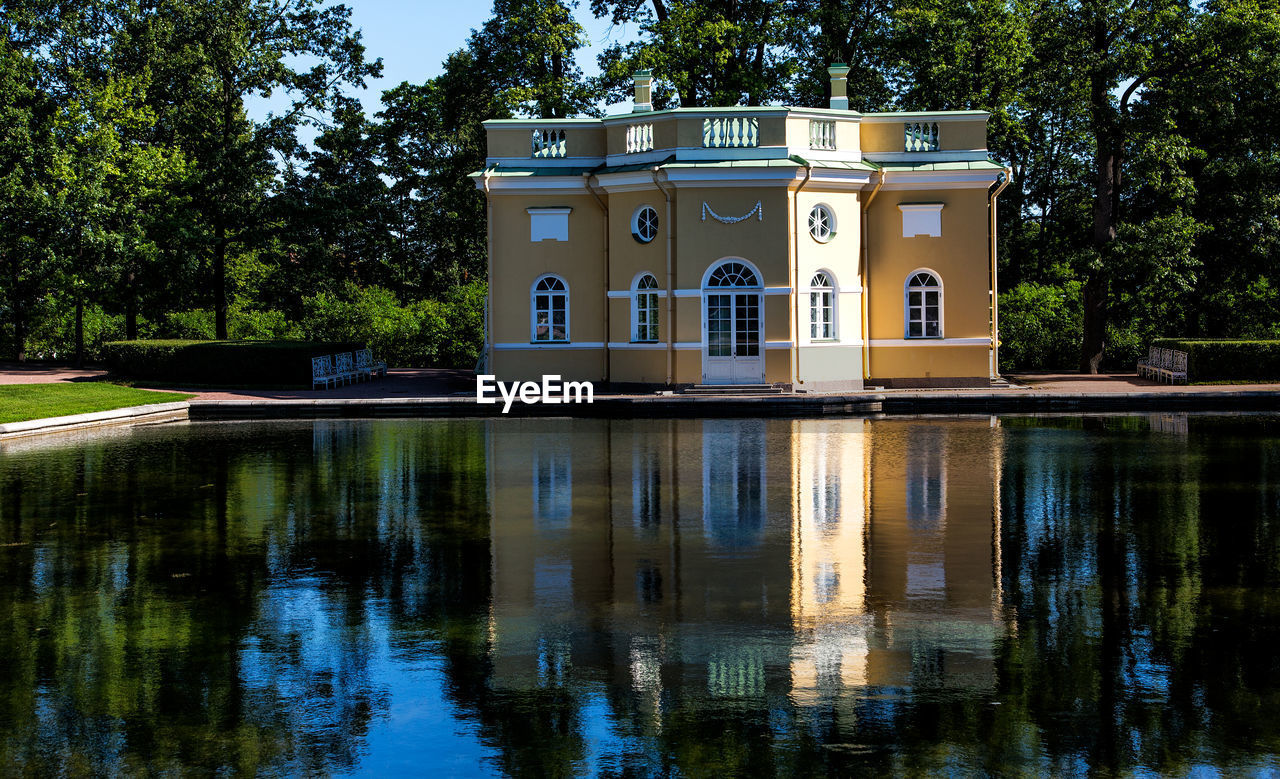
(130, 309)
(19, 325)
(557, 98)
(79, 333)
(220, 284)
(1106, 199)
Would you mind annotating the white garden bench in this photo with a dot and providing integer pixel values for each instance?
(345, 367)
(366, 364)
(1162, 364)
(322, 372)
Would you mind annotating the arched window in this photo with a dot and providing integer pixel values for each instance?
(644, 308)
(924, 305)
(550, 308)
(733, 274)
(822, 307)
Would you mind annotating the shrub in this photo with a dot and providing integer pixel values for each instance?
(238, 363)
(52, 330)
(243, 324)
(447, 332)
(1040, 326)
(1227, 360)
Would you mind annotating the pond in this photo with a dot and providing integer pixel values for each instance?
(645, 597)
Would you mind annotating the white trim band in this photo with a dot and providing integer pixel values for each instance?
(930, 342)
(566, 345)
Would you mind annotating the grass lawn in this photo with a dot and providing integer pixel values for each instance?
(20, 402)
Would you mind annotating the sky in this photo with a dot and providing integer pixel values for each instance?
(413, 39)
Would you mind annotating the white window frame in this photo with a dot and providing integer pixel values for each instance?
(906, 305)
(635, 224)
(533, 310)
(831, 221)
(637, 303)
(830, 291)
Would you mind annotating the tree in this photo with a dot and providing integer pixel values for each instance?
(29, 158)
(221, 52)
(526, 48)
(855, 32)
(722, 52)
(431, 137)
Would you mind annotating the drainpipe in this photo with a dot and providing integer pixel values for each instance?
(995, 300)
(488, 295)
(608, 357)
(671, 282)
(795, 274)
(866, 285)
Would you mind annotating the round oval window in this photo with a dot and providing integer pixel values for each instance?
(822, 224)
(644, 225)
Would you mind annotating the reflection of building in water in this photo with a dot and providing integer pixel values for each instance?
(743, 560)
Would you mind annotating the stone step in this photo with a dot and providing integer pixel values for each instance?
(734, 389)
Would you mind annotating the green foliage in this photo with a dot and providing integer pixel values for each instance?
(239, 363)
(1039, 326)
(52, 335)
(22, 402)
(245, 325)
(1227, 360)
(448, 333)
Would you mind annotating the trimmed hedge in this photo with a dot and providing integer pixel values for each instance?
(220, 362)
(1227, 359)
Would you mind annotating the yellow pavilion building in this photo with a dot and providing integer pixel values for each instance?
(816, 249)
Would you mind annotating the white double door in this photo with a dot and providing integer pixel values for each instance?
(732, 343)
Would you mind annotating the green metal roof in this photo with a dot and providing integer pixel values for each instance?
(939, 166)
(534, 170)
(914, 114)
(789, 162)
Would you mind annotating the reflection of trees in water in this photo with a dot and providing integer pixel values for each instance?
(215, 600)
(210, 601)
(1142, 568)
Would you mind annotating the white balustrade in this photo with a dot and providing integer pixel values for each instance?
(549, 143)
(822, 134)
(921, 136)
(731, 132)
(639, 137)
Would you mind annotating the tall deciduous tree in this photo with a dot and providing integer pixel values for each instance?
(721, 52)
(224, 52)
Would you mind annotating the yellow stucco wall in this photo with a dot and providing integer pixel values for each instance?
(532, 364)
(643, 366)
(518, 262)
(881, 136)
(957, 136)
(929, 362)
(664, 132)
(517, 140)
(772, 130)
(763, 242)
(958, 257)
(953, 135)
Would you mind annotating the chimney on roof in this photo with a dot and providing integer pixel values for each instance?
(643, 80)
(839, 73)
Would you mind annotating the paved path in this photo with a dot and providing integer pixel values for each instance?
(40, 373)
(439, 382)
(1070, 383)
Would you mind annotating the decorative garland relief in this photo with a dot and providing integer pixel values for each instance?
(757, 212)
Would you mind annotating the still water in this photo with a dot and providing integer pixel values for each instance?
(672, 597)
